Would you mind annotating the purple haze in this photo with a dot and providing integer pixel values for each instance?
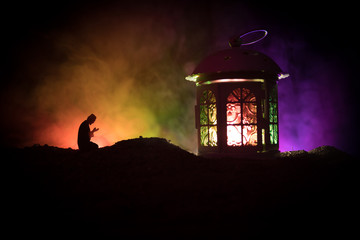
(316, 103)
(313, 110)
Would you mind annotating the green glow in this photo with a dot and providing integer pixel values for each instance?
(274, 134)
(204, 139)
(208, 119)
(207, 97)
(208, 136)
(273, 94)
(273, 112)
(273, 116)
(192, 78)
(204, 115)
(212, 114)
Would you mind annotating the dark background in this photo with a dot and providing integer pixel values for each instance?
(145, 187)
(326, 31)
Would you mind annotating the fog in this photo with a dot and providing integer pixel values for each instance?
(127, 64)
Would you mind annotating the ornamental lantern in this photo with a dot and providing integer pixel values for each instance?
(236, 100)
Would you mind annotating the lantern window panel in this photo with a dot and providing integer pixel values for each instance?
(274, 135)
(273, 112)
(247, 95)
(204, 119)
(249, 113)
(213, 136)
(233, 113)
(208, 119)
(250, 135)
(241, 118)
(234, 135)
(207, 97)
(204, 138)
(212, 114)
(235, 96)
(208, 136)
(273, 95)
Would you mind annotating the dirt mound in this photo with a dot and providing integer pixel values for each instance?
(149, 187)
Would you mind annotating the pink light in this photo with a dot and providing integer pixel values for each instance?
(230, 80)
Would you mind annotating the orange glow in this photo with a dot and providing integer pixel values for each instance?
(119, 70)
(234, 135)
(241, 118)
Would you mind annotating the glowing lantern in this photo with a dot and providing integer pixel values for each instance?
(237, 102)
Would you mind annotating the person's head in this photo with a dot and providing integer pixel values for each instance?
(91, 119)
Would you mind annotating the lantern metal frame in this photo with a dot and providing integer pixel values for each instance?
(222, 85)
(221, 73)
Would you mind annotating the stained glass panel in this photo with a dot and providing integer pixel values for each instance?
(203, 115)
(263, 136)
(213, 136)
(212, 98)
(231, 98)
(273, 112)
(233, 113)
(204, 140)
(208, 119)
(235, 96)
(273, 134)
(204, 97)
(271, 98)
(250, 135)
(249, 113)
(247, 95)
(212, 114)
(207, 97)
(273, 94)
(234, 135)
(241, 118)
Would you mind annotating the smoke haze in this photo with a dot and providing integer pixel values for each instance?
(127, 63)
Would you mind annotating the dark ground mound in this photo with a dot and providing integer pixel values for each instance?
(148, 187)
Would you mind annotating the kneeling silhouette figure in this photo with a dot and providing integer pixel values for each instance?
(84, 134)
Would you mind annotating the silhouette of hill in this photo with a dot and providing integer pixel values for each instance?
(148, 187)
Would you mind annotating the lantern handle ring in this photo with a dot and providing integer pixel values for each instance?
(239, 40)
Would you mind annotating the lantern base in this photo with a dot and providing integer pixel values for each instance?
(272, 154)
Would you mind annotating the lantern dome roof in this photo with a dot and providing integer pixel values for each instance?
(236, 60)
